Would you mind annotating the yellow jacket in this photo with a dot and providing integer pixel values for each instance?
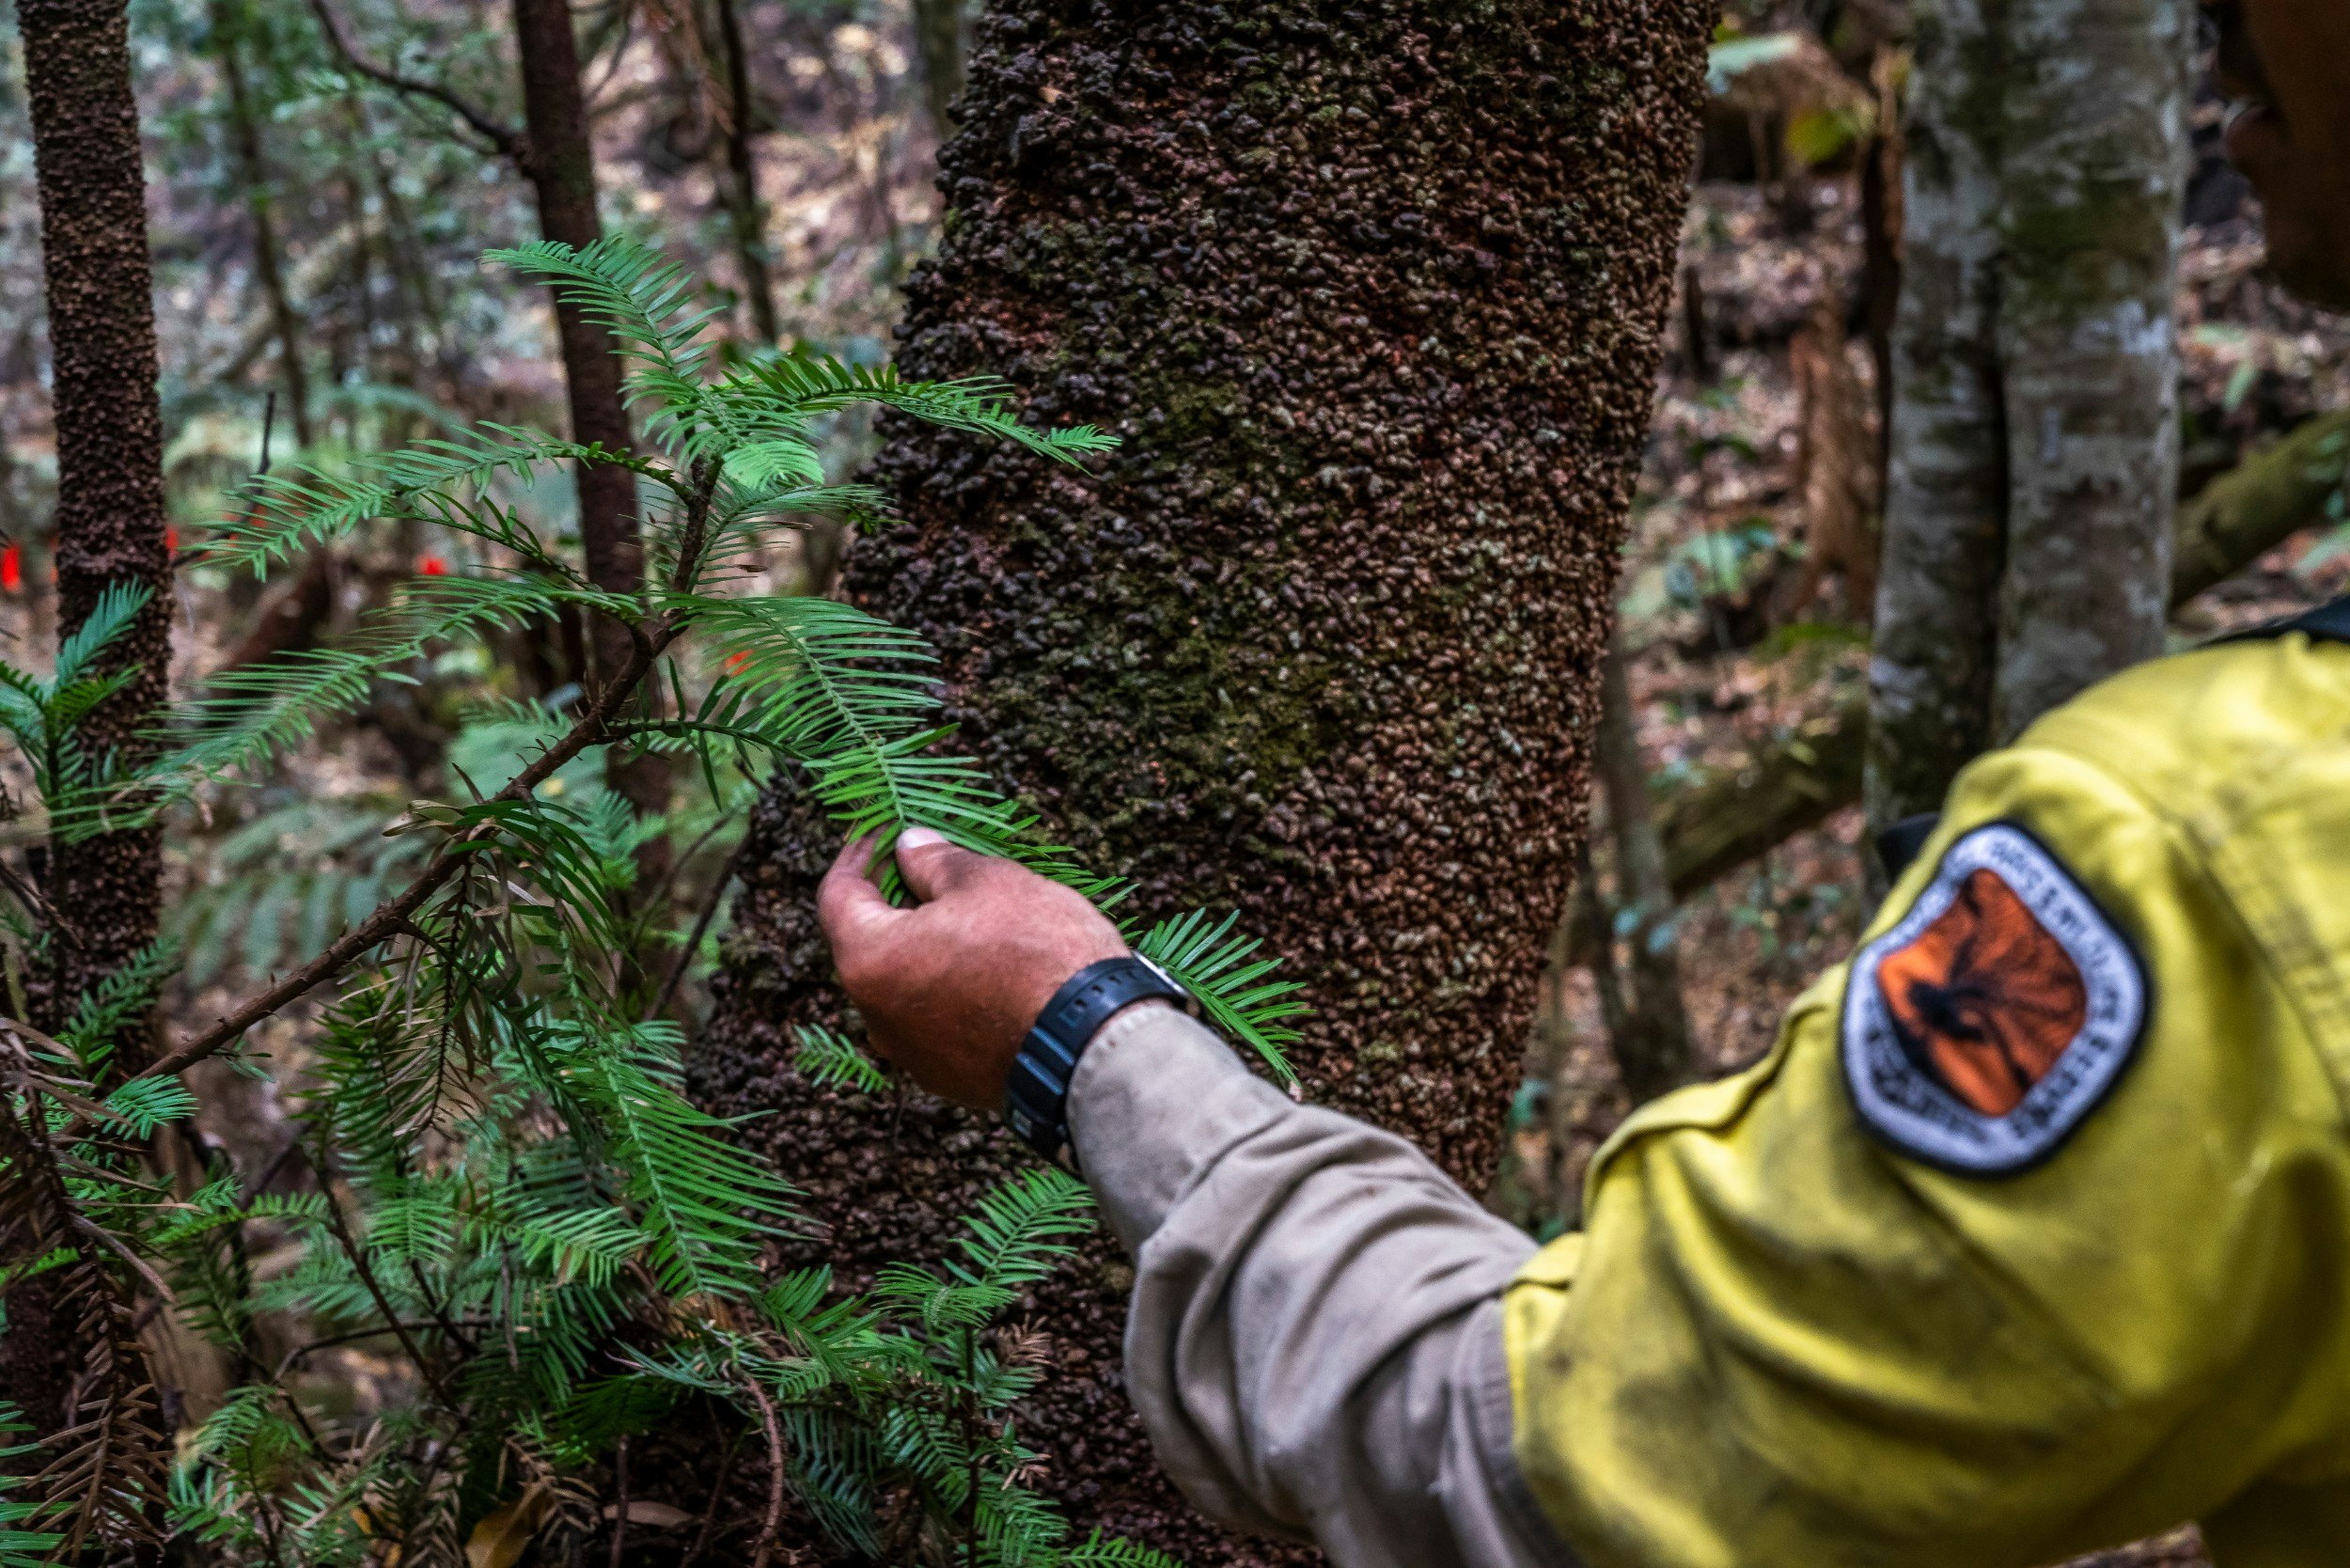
(1976, 1269)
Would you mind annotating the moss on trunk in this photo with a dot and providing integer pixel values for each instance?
(1373, 295)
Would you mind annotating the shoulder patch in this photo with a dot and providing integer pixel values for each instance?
(1986, 1026)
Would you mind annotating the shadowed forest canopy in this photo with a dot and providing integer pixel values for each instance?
(1452, 522)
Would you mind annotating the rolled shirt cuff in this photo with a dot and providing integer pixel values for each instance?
(1156, 1097)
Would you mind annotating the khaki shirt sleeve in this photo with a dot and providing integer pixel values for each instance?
(1315, 1341)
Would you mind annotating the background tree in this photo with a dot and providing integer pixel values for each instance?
(71, 1359)
(554, 151)
(1374, 296)
(2035, 419)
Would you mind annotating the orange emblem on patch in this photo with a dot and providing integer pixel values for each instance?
(1985, 998)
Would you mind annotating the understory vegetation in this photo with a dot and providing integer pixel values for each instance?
(507, 1182)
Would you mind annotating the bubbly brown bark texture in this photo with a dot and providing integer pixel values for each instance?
(110, 524)
(110, 515)
(1374, 296)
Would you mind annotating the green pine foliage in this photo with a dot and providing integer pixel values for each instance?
(499, 1185)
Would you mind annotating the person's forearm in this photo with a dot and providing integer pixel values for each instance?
(1314, 1343)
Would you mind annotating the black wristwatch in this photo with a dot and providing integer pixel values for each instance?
(1036, 1098)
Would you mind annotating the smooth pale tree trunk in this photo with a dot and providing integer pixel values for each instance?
(1934, 652)
(67, 1330)
(1373, 294)
(2034, 456)
(2096, 175)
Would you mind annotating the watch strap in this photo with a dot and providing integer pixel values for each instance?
(1036, 1096)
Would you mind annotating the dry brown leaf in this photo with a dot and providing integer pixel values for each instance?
(658, 1515)
(498, 1540)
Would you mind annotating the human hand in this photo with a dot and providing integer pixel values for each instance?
(948, 987)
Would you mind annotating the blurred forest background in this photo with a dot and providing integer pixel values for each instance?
(318, 210)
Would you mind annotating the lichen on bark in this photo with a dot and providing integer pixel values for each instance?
(2035, 427)
(1373, 295)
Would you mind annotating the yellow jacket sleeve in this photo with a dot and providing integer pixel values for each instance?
(1799, 1327)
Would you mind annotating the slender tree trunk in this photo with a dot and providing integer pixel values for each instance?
(245, 132)
(560, 165)
(110, 522)
(744, 210)
(938, 48)
(1374, 295)
(2096, 173)
(1935, 648)
(2035, 424)
(1651, 1038)
(110, 517)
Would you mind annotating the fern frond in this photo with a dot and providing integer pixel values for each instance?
(1211, 961)
(828, 1058)
(251, 714)
(119, 605)
(300, 506)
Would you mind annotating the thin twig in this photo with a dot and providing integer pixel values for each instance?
(693, 943)
(97, 1233)
(34, 899)
(508, 142)
(298, 1352)
(971, 1450)
(391, 914)
(375, 1292)
(773, 1521)
(717, 1495)
(620, 1510)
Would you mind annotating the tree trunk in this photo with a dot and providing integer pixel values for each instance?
(1652, 1036)
(1374, 296)
(938, 45)
(560, 165)
(2034, 426)
(110, 522)
(1931, 667)
(110, 517)
(745, 211)
(2095, 167)
(245, 132)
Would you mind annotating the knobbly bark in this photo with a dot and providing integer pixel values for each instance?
(1374, 297)
(110, 522)
(110, 516)
(2035, 420)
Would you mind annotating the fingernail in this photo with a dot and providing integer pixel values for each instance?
(920, 837)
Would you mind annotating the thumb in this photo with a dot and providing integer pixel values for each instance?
(933, 865)
(849, 902)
